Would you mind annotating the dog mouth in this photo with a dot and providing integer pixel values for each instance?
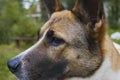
(47, 71)
(43, 70)
(25, 76)
(49, 75)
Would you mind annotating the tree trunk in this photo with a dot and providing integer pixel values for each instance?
(44, 12)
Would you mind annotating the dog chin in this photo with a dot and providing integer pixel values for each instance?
(26, 77)
(21, 76)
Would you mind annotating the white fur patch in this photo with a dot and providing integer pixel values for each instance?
(117, 46)
(104, 73)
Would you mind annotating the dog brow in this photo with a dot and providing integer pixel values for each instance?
(55, 20)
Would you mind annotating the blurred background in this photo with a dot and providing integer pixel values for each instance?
(20, 21)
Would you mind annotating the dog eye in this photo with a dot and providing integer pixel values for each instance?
(55, 41)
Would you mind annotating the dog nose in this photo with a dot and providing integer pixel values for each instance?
(14, 65)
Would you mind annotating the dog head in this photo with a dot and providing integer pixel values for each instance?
(69, 44)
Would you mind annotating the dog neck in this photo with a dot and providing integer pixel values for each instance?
(110, 68)
(112, 53)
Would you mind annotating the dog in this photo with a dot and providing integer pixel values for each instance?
(73, 45)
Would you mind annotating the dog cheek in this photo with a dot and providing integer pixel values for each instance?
(42, 66)
(56, 52)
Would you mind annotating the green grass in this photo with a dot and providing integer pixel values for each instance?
(6, 53)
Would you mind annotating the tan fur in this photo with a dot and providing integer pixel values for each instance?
(56, 25)
(102, 38)
(69, 52)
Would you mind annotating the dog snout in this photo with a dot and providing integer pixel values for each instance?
(14, 64)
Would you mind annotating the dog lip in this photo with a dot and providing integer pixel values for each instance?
(19, 76)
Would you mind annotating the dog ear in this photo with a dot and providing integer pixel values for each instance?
(53, 6)
(91, 10)
(91, 13)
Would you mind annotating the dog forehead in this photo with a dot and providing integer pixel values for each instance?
(63, 23)
(63, 14)
(58, 19)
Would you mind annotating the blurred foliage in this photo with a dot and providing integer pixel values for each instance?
(44, 11)
(111, 31)
(15, 22)
(114, 14)
(7, 18)
(5, 74)
(114, 17)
